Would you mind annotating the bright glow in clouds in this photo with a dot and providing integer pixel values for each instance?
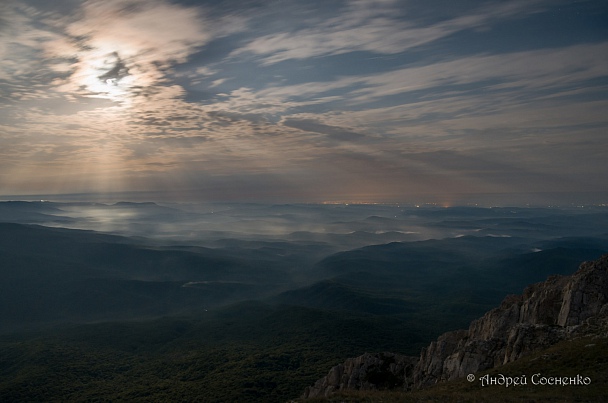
(121, 48)
(105, 76)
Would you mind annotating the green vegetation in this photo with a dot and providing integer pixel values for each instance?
(256, 353)
(250, 352)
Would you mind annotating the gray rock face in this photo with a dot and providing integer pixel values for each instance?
(585, 295)
(556, 309)
(369, 371)
(544, 314)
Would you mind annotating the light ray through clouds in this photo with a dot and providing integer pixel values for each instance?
(304, 101)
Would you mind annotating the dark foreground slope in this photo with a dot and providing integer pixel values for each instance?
(251, 352)
(557, 310)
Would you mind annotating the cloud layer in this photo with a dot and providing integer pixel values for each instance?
(367, 100)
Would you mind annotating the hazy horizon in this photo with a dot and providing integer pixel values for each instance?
(539, 199)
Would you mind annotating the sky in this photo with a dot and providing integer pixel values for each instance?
(309, 101)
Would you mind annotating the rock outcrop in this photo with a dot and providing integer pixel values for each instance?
(559, 308)
(369, 371)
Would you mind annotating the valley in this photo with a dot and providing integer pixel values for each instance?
(194, 314)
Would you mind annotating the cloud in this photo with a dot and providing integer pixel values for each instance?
(21, 41)
(102, 94)
(117, 50)
(374, 26)
(122, 49)
(530, 89)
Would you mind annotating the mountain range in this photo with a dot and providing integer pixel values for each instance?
(253, 303)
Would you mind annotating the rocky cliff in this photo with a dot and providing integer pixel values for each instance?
(559, 308)
(369, 371)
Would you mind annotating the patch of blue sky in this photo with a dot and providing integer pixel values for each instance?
(509, 36)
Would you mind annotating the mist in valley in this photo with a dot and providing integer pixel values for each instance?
(81, 261)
